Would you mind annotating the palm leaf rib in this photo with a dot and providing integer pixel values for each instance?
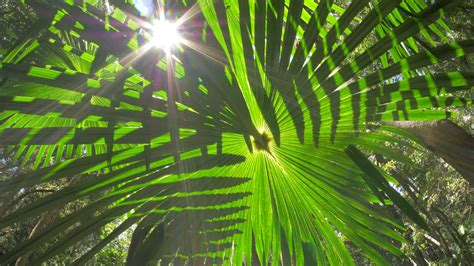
(243, 143)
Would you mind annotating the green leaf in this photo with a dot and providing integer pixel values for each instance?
(377, 182)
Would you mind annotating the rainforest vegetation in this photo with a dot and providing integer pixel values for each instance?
(236, 132)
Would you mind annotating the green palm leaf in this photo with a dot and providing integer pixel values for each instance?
(239, 142)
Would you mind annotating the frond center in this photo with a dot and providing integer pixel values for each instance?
(263, 142)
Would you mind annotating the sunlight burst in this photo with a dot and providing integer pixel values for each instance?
(165, 35)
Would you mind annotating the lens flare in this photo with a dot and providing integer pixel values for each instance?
(165, 35)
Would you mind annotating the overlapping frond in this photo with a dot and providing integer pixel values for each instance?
(239, 143)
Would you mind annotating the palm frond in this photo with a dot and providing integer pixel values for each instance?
(239, 142)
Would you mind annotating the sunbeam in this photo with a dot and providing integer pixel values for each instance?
(165, 35)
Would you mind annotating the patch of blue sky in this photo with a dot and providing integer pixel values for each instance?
(145, 6)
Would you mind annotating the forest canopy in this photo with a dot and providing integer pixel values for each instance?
(236, 132)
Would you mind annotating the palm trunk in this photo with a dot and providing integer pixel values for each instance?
(447, 140)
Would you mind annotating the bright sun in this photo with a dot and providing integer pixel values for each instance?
(165, 35)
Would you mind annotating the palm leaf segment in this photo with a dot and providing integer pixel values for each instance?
(240, 143)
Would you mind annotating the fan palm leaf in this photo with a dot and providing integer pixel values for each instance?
(239, 145)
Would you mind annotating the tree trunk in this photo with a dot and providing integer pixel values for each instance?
(447, 140)
(40, 225)
(43, 222)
